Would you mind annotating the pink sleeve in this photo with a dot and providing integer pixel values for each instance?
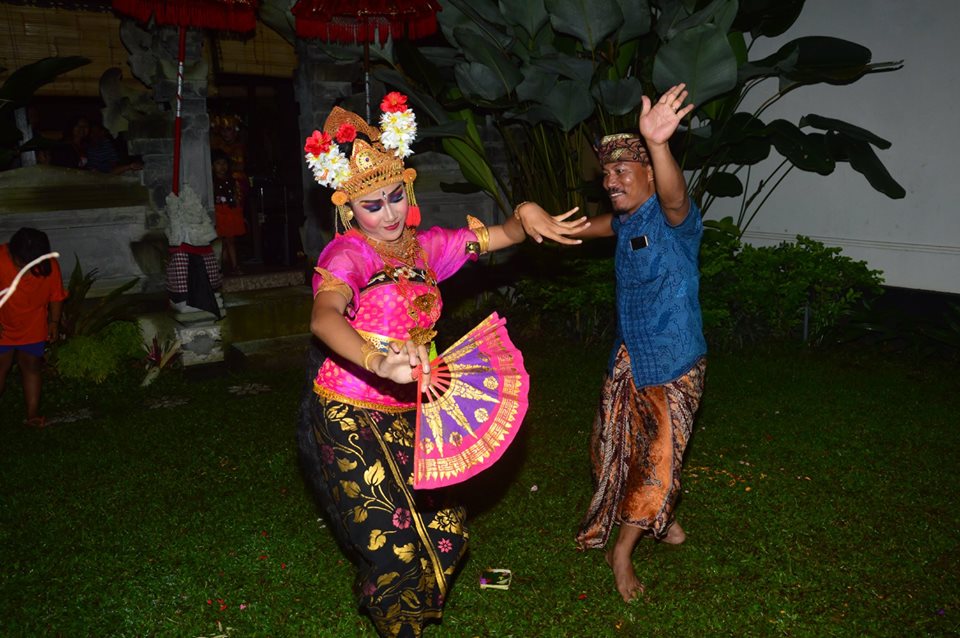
(348, 261)
(446, 249)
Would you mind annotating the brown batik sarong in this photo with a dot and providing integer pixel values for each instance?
(636, 451)
(408, 543)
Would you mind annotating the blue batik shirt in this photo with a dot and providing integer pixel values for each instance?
(658, 290)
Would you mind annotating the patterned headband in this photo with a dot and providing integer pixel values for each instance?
(622, 147)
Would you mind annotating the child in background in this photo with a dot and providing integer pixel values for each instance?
(228, 203)
(31, 316)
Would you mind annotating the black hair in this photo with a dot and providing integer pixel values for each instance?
(347, 147)
(26, 245)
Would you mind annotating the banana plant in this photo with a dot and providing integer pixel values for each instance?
(554, 75)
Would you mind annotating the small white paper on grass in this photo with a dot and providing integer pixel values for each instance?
(495, 579)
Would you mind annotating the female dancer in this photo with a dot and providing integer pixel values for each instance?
(376, 303)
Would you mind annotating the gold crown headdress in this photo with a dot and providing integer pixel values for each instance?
(372, 164)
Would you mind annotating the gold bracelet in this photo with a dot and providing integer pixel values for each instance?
(369, 350)
(516, 210)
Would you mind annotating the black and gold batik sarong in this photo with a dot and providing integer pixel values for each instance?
(409, 543)
(636, 451)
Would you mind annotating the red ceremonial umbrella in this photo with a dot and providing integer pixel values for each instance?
(360, 21)
(227, 15)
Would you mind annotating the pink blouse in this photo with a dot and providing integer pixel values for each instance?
(384, 308)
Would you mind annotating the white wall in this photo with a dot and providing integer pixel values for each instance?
(915, 241)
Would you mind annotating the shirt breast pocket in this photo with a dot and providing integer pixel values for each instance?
(642, 266)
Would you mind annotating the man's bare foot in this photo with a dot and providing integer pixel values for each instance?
(675, 535)
(628, 584)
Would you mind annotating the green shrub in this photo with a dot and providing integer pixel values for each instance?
(97, 357)
(574, 295)
(750, 294)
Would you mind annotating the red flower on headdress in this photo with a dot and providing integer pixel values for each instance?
(346, 133)
(394, 102)
(318, 143)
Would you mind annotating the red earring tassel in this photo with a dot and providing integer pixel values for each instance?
(413, 216)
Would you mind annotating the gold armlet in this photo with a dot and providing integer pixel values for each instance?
(368, 351)
(482, 233)
(331, 283)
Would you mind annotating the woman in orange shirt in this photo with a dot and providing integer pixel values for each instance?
(31, 316)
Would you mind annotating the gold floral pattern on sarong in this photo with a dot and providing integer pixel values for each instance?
(410, 543)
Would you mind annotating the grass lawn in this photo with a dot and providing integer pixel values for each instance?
(820, 499)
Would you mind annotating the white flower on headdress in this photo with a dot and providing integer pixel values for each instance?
(398, 124)
(329, 165)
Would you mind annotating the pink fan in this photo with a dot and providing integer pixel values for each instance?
(471, 410)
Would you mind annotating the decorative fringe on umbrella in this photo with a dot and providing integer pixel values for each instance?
(229, 15)
(365, 21)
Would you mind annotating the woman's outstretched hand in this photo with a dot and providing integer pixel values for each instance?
(404, 364)
(538, 223)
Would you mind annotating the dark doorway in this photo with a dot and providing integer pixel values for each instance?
(266, 115)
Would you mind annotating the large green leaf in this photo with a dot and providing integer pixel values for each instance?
(531, 15)
(533, 115)
(482, 18)
(702, 58)
(569, 103)
(536, 83)
(479, 81)
(678, 18)
(618, 97)
(24, 82)
(590, 21)
(566, 65)
(484, 12)
(473, 133)
(479, 50)
(421, 101)
(636, 20)
(721, 107)
(813, 59)
(724, 185)
(749, 151)
(418, 67)
(767, 17)
(777, 63)
(864, 160)
(441, 57)
(806, 153)
(453, 128)
(473, 165)
(849, 130)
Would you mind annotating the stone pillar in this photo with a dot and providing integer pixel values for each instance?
(153, 61)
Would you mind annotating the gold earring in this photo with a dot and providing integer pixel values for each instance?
(346, 214)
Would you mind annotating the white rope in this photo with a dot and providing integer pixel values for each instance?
(7, 292)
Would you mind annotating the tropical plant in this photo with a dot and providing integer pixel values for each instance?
(83, 317)
(158, 356)
(96, 357)
(556, 74)
(17, 91)
(794, 290)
